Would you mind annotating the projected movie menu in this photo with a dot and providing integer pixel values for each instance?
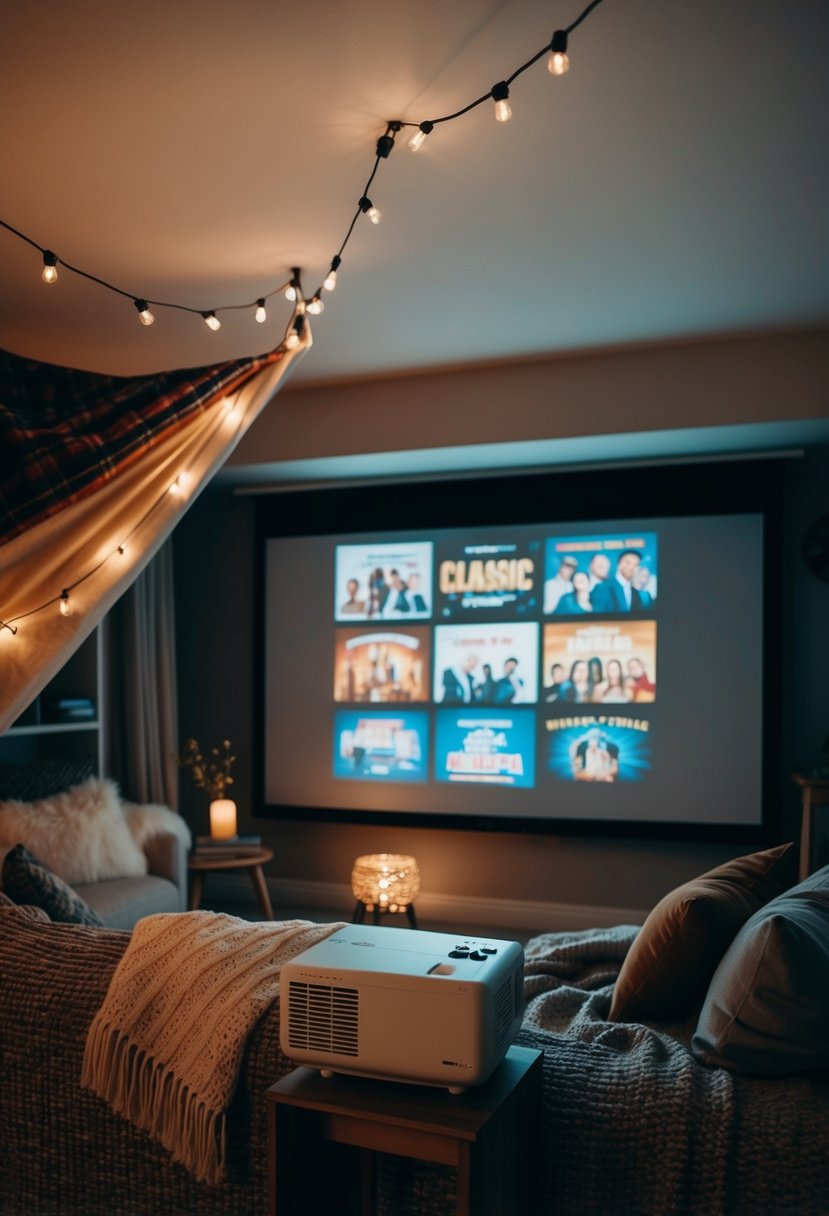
(503, 663)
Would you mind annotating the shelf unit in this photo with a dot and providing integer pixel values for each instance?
(37, 736)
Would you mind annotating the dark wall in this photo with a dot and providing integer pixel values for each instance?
(215, 557)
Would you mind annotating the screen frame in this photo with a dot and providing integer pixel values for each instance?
(670, 489)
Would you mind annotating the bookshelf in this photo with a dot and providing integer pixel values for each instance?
(40, 732)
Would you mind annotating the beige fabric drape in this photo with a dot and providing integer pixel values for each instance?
(137, 506)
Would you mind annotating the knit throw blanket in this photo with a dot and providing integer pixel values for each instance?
(165, 1047)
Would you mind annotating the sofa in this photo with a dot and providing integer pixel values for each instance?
(641, 1116)
(123, 860)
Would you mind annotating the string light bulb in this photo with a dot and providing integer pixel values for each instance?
(144, 314)
(49, 274)
(500, 95)
(292, 290)
(386, 142)
(367, 207)
(419, 138)
(294, 334)
(330, 281)
(4, 625)
(63, 603)
(122, 548)
(316, 305)
(559, 61)
(261, 314)
(212, 321)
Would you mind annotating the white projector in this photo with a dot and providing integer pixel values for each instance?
(403, 1005)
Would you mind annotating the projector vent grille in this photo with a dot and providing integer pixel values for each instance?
(503, 1012)
(323, 1018)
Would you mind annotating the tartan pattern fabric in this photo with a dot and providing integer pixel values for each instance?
(64, 433)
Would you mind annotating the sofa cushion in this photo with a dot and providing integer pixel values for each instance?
(121, 902)
(28, 881)
(683, 939)
(80, 834)
(766, 1012)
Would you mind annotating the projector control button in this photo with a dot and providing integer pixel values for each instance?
(489, 949)
(478, 956)
(459, 954)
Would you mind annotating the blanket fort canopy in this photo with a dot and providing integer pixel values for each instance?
(95, 472)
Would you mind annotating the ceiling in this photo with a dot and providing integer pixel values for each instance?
(674, 183)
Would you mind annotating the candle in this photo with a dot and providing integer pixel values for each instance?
(222, 818)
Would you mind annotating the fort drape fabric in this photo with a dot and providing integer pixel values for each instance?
(91, 489)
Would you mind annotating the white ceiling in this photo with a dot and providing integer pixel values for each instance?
(674, 183)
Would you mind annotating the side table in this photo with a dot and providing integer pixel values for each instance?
(252, 862)
(814, 793)
(489, 1134)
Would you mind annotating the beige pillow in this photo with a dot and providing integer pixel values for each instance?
(80, 834)
(680, 945)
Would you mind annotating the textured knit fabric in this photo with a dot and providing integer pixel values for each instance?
(165, 1048)
(630, 1123)
(65, 433)
(633, 1125)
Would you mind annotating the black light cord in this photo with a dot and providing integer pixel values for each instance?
(384, 147)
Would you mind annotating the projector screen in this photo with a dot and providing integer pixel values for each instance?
(592, 671)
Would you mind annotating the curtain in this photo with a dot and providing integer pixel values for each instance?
(89, 491)
(142, 686)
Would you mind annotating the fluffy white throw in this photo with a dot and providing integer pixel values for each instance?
(165, 1047)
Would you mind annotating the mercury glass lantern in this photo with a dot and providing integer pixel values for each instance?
(385, 882)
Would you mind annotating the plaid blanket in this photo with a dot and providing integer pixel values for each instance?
(65, 433)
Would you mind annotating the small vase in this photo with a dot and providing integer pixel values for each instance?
(222, 818)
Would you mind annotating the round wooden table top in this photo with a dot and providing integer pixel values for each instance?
(256, 857)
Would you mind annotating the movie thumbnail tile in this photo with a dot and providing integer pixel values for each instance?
(382, 665)
(486, 664)
(486, 748)
(381, 747)
(479, 578)
(599, 747)
(603, 663)
(610, 572)
(383, 581)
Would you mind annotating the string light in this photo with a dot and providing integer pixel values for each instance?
(11, 628)
(144, 314)
(122, 548)
(294, 334)
(316, 305)
(63, 603)
(500, 95)
(559, 61)
(49, 274)
(367, 207)
(292, 291)
(419, 138)
(330, 281)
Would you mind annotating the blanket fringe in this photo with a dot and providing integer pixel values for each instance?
(153, 1098)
